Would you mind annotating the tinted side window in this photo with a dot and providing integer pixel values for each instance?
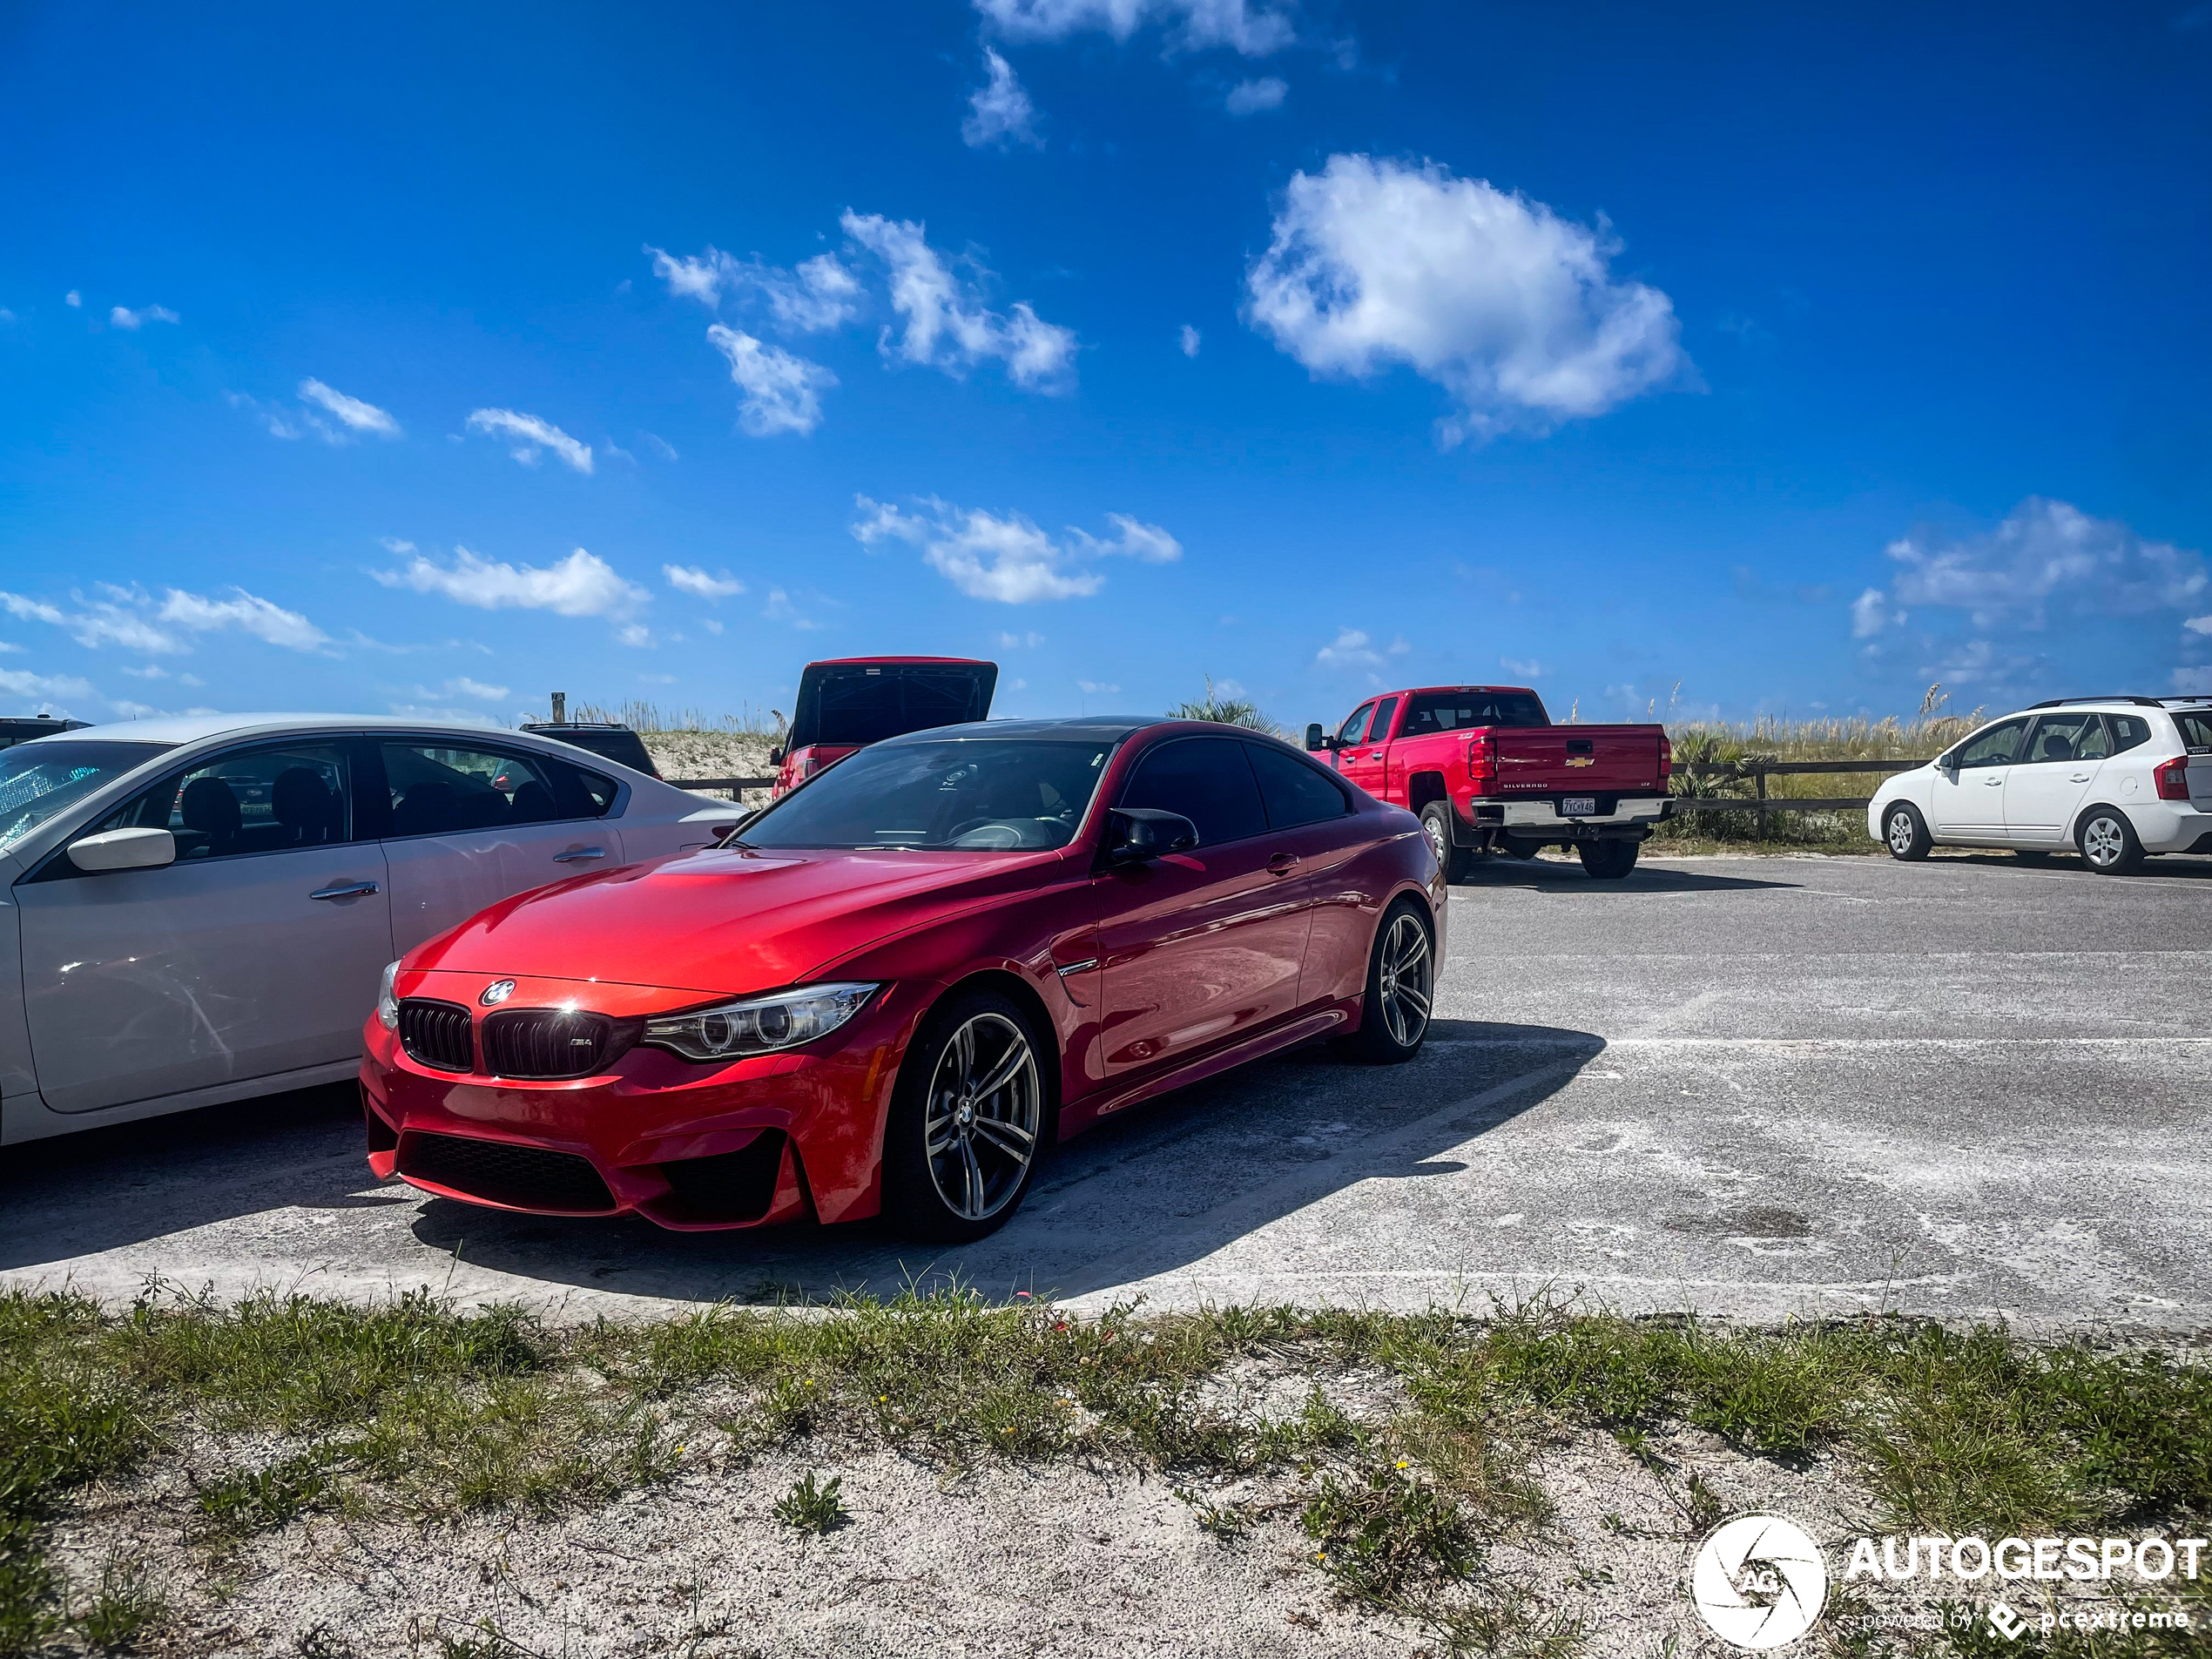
(578, 793)
(1380, 729)
(1355, 727)
(438, 789)
(1294, 792)
(2197, 731)
(2064, 736)
(1206, 779)
(251, 800)
(2129, 730)
(1995, 747)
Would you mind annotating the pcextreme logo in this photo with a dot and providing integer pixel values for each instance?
(1758, 1582)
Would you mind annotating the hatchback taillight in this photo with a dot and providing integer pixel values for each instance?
(1666, 759)
(1482, 760)
(2172, 777)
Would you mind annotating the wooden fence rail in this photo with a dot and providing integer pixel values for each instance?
(1763, 804)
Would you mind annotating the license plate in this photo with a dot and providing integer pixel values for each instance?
(1579, 806)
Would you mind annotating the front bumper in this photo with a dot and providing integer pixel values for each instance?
(690, 1147)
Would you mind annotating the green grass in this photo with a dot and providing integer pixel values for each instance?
(415, 1409)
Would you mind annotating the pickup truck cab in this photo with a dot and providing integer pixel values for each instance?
(854, 701)
(1486, 771)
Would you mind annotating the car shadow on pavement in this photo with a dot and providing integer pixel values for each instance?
(77, 1194)
(1148, 1193)
(1563, 874)
(2172, 867)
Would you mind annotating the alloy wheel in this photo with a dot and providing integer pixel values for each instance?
(986, 1105)
(2103, 843)
(1900, 833)
(1405, 981)
(1436, 840)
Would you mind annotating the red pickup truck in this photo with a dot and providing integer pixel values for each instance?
(1486, 771)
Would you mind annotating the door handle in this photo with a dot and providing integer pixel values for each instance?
(1282, 864)
(1994, 782)
(345, 890)
(571, 856)
(2078, 778)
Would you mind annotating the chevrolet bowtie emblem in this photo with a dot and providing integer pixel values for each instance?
(1581, 760)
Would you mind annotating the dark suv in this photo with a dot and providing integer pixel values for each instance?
(603, 738)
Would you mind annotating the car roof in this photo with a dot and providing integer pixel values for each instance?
(193, 728)
(1072, 729)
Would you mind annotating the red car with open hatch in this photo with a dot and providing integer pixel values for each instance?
(904, 981)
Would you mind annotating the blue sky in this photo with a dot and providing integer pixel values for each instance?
(439, 357)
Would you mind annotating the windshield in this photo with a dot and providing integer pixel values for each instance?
(976, 794)
(38, 779)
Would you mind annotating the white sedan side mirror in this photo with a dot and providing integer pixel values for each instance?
(123, 849)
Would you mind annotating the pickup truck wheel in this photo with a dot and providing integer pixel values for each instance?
(1402, 985)
(1436, 824)
(1608, 860)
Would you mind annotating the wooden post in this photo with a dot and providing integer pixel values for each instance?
(560, 708)
(1758, 779)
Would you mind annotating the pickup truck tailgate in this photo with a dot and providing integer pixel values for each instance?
(1553, 759)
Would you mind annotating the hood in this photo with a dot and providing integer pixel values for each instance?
(717, 922)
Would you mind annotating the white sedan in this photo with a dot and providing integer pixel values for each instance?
(2112, 778)
(196, 910)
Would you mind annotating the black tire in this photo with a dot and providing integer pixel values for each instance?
(1391, 1027)
(1906, 833)
(1436, 824)
(931, 1196)
(2107, 842)
(1609, 861)
(1521, 847)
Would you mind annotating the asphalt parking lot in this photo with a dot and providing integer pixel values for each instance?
(1753, 1087)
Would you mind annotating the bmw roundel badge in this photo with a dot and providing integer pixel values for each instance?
(497, 992)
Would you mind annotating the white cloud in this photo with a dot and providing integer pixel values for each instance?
(2047, 555)
(1350, 649)
(1872, 613)
(1189, 340)
(635, 634)
(1007, 559)
(6, 315)
(662, 447)
(124, 317)
(710, 624)
(18, 682)
(1194, 25)
(247, 612)
(779, 607)
(1250, 98)
(1093, 688)
(2199, 624)
(73, 300)
(782, 393)
(583, 584)
(349, 412)
(1021, 641)
(155, 672)
(947, 325)
(132, 617)
(694, 580)
(1506, 306)
(532, 435)
(817, 294)
(464, 688)
(2192, 682)
(998, 111)
(1526, 670)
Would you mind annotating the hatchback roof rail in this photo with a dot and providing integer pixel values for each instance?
(2061, 702)
(2198, 697)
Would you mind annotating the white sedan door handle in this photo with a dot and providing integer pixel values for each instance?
(571, 856)
(2078, 778)
(345, 890)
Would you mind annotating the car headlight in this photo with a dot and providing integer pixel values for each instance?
(387, 1006)
(757, 1024)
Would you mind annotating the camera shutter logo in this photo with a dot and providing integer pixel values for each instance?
(1758, 1582)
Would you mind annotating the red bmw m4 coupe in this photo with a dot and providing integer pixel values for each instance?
(901, 984)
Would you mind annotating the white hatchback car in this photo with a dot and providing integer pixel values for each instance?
(2113, 778)
(193, 911)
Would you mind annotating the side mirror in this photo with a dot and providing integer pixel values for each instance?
(776, 756)
(123, 849)
(1135, 834)
(1316, 740)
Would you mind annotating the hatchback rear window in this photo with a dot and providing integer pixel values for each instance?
(2197, 731)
